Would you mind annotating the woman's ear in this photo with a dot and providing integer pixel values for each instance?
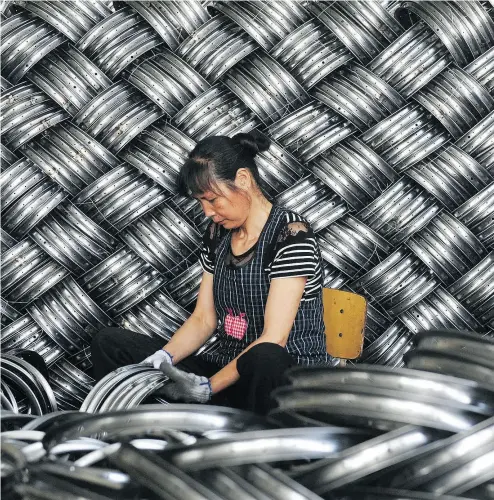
(243, 178)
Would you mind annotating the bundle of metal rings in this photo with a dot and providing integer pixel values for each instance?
(361, 432)
(381, 120)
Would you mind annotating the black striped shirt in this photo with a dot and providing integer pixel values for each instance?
(294, 252)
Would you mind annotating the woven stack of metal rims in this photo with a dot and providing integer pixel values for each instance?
(381, 116)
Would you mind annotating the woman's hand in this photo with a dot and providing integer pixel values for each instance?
(158, 358)
(184, 386)
(198, 327)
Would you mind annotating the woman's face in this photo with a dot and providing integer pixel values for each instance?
(228, 208)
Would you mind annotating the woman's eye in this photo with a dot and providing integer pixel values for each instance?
(212, 201)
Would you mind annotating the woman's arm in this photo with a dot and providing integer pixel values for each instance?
(281, 309)
(200, 325)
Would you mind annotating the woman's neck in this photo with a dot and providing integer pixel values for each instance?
(258, 215)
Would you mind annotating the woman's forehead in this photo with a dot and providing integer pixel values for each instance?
(218, 189)
(206, 195)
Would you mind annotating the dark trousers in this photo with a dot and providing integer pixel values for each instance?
(261, 368)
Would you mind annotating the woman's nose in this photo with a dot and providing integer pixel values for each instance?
(208, 210)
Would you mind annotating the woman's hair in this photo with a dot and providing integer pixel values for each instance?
(217, 159)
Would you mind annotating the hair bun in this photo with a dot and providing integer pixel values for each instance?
(254, 141)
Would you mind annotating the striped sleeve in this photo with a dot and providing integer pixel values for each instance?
(207, 255)
(296, 252)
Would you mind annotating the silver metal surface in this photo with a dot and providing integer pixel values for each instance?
(366, 28)
(73, 239)
(374, 408)
(276, 484)
(27, 112)
(265, 22)
(72, 384)
(31, 382)
(381, 121)
(451, 462)
(216, 47)
(351, 247)
(311, 53)
(72, 18)
(411, 60)
(400, 211)
(157, 316)
(103, 116)
(364, 459)
(478, 142)
(456, 99)
(439, 310)
(471, 346)
(7, 157)
(117, 40)
(452, 177)
(267, 88)
(348, 91)
(482, 69)
(310, 198)
(28, 195)
(452, 23)
(165, 480)
(376, 493)
(156, 419)
(26, 40)
(215, 112)
(476, 214)
(107, 478)
(69, 78)
(450, 364)
(474, 289)
(447, 247)
(422, 383)
(172, 22)
(230, 485)
(354, 172)
(278, 169)
(311, 130)
(119, 197)
(406, 137)
(398, 282)
(184, 288)
(164, 240)
(167, 80)
(70, 156)
(158, 152)
(264, 446)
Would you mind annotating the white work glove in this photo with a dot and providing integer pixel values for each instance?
(158, 358)
(184, 386)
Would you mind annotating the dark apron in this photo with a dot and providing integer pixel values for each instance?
(240, 296)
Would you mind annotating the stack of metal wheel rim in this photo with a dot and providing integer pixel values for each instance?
(362, 432)
(381, 117)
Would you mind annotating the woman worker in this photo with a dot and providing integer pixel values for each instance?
(261, 290)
